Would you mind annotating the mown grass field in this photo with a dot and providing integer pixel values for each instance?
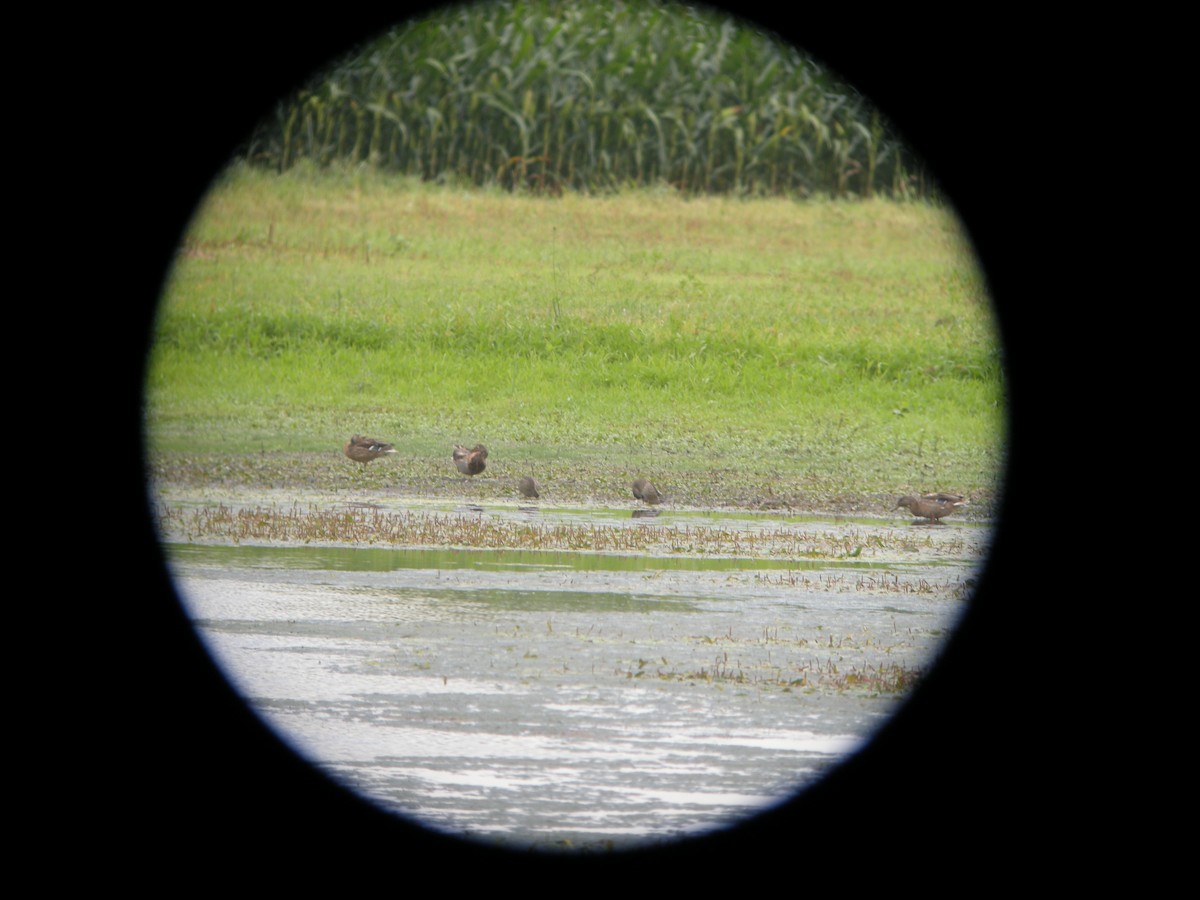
(829, 353)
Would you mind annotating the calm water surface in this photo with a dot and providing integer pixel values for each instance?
(566, 699)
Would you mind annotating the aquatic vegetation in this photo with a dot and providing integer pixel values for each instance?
(825, 675)
(370, 525)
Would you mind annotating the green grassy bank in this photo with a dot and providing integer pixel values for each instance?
(813, 349)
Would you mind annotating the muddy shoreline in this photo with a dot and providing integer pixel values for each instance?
(276, 475)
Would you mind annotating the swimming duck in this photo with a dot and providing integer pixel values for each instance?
(364, 449)
(645, 491)
(932, 506)
(470, 462)
(529, 488)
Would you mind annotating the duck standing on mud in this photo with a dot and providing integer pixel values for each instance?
(529, 488)
(364, 449)
(470, 462)
(932, 506)
(645, 491)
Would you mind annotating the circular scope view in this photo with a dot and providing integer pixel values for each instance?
(575, 426)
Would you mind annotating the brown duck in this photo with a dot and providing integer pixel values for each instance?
(932, 506)
(470, 462)
(529, 488)
(645, 491)
(364, 449)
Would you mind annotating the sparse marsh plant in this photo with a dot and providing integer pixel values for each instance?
(423, 529)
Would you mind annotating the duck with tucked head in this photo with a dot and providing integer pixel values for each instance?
(470, 462)
(529, 488)
(646, 492)
(932, 506)
(364, 449)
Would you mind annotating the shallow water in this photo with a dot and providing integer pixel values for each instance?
(569, 699)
